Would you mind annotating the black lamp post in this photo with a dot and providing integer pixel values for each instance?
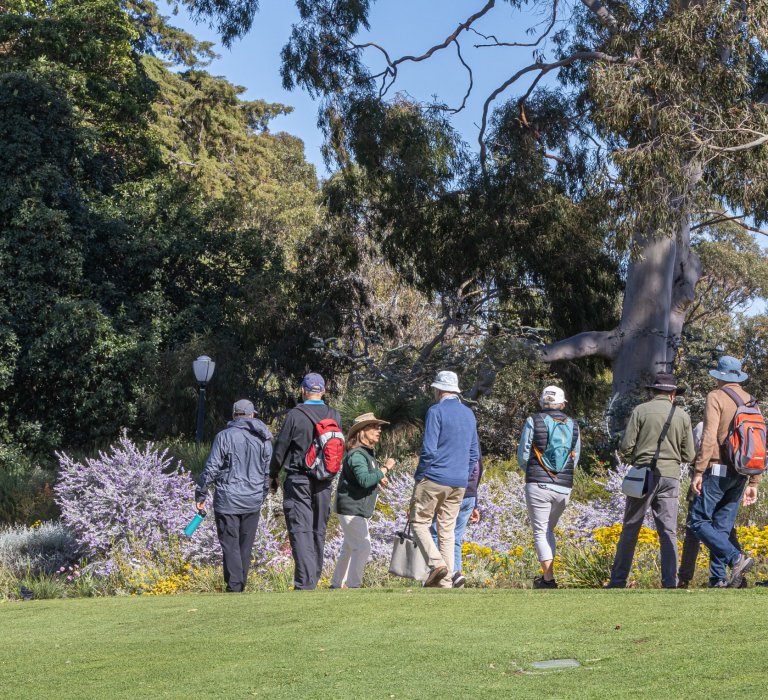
(203, 368)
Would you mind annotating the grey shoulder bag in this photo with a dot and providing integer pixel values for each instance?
(638, 481)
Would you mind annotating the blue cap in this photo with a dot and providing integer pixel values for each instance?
(729, 370)
(313, 383)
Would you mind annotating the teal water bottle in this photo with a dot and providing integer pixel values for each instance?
(194, 523)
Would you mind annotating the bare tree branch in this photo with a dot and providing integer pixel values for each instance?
(471, 80)
(543, 69)
(542, 36)
(602, 13)
(450, 38)
(722, 217)
(588, 344)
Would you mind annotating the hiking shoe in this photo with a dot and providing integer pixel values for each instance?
(738, 570)
(541, 582)
(744, 582)
(683, 584)
(458, 580)
(435, 576)
(717, 584)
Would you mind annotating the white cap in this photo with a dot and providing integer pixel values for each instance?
(446, 381)
(552, 395)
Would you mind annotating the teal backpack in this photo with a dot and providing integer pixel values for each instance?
(559, 444)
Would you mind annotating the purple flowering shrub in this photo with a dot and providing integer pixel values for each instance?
(131, 501)
(123, 497)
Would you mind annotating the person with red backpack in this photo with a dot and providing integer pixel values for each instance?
(727, 470)
(310, 448)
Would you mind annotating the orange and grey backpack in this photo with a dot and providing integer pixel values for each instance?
(744, 446)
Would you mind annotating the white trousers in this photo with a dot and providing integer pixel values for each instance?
(544, 510)
(354, 553)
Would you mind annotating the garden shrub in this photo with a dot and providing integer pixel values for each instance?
(37, 550)
(132, 502)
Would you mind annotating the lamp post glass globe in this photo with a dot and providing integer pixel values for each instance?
(203, 368)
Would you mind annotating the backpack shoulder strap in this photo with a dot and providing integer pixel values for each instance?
(301, 408)
(733, 396)
(662, 435)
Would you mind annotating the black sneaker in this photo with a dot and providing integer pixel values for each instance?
(458, 580)
(541, 582)
(738, 570)
(683, 584)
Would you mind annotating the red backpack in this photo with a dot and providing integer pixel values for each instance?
(744, 447)
(323, 458)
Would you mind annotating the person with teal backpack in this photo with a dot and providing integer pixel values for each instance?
(548, 452)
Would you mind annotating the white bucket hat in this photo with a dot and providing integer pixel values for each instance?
(446, 381)
(552, 395)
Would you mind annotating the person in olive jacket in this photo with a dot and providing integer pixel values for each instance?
(356, 495)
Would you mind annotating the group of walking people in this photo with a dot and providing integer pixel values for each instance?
(244, 466)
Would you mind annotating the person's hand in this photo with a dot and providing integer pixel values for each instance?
(474, 516)
(384, 482)
(750, 496)
(274, 484)
(696, 484)
(389, 465)
(201, 505)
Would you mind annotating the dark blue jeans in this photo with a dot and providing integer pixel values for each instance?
(713, 514)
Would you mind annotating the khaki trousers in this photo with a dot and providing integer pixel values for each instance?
(432, 501)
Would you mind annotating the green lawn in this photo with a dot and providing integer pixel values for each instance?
(403, 643)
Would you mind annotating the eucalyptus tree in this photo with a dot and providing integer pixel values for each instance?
(664, 103)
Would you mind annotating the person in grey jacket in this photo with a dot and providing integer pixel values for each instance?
(238, 467)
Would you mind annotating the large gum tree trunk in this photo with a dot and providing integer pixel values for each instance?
(660, 287)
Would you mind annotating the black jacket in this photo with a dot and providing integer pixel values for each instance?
(296, 436)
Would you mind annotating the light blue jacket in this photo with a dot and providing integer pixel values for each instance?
(450, 449)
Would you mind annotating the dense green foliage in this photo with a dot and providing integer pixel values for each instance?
(147, 216)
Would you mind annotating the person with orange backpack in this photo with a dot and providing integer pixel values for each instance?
(548, 451)
(728, 470)
(310, 448)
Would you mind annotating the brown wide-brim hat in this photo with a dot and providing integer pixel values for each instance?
(364, 421)
(666, 382)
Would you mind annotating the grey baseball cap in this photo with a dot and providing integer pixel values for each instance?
(243, 407)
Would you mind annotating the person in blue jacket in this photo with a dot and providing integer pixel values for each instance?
(450, 450)
(237, 467)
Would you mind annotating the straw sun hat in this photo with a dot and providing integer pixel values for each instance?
(364, 421)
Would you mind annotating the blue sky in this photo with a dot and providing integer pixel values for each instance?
(403, 28)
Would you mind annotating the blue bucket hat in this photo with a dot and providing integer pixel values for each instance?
(728, 370)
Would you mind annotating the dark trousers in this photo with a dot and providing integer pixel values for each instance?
(662, 499)
(692, 544)
(713, 515)
(307, 506)
(236, 535)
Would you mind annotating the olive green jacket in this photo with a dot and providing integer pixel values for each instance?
(642, 435)
(359, 483)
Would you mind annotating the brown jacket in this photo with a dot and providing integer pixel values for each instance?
(718, 414)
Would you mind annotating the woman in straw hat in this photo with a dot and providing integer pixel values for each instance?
(359, 483)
